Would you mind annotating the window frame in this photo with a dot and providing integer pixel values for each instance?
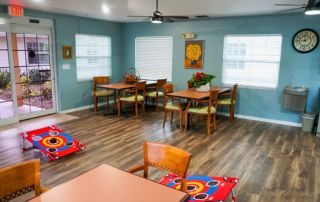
(251, 86)
(75, 54)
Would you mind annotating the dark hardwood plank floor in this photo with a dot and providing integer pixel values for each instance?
(273, 162)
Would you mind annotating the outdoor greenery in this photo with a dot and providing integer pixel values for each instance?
(4, 79)
(198, 79)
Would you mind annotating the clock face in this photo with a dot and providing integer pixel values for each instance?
(305, 40)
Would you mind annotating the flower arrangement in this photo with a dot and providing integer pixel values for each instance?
(199, 79)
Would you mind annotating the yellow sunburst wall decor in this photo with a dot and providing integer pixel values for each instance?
(193, 54)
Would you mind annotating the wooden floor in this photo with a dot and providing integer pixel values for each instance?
(273, 162)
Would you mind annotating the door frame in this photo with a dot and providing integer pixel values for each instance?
(44, 26)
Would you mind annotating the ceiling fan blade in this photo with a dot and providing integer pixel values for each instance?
(177, 17)
(290, 4)
(289, 10)
(138, 16)
(167, 20)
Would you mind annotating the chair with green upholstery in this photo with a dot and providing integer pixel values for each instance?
(174, 104)
(98, 92)
(155, 92)
(229, 99)
(205, 108)
(136, 97)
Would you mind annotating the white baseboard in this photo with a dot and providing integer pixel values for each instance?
(83, 108)
(287, 123)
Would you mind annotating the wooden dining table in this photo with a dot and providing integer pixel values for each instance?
(106, 183)
(118, 87)
(193, 94)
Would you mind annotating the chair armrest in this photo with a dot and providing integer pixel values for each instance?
(44, 189)
(136, 168)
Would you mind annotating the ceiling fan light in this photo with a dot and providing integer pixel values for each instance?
(156, 19)
(312, 10)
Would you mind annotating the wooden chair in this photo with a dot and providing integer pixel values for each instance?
(19, 179)
(136, 96)
(96, 92)
(209, 109)
(156, 92)
(173, 105)
(229, 99)
(189, 84)
(164, 157)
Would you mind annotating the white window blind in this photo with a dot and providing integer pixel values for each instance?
(153, 57)
(252, 60)
(93, 55)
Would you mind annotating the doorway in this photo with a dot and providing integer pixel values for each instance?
(26, 72)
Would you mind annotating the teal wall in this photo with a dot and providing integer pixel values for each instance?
(296, 68)
(72, 93)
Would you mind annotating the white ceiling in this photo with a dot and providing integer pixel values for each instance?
(120, 8)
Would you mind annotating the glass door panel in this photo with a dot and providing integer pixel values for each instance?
(32, 70)
(6, 93)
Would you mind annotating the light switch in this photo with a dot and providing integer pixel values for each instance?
(65, 66)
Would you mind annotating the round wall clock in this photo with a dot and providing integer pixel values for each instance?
(305, 40)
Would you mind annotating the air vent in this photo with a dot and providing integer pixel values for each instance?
(34, 21)
(201, 16)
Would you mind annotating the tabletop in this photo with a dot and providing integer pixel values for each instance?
(123, 86)
(106, 183)
(116, 86)
(196, 95)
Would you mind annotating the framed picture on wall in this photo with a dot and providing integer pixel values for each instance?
(67, 52)
(193, 54)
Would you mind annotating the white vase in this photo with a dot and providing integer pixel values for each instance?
(204, 88)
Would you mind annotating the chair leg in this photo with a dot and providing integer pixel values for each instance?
(144, 107)
(215, 121)
(171, 116)
(180, 119)
(119, 109)
(136, 108)
(157, 108)
(95, 103)
(164, 117)
(231, 112)
(209, 124)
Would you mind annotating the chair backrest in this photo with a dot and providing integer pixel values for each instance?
(141, 87)
(160, 83)
(167, 88)
(189, 84)
(19, 179)
(213, 97)
(100, 80)
(166, 157)
(234, 92)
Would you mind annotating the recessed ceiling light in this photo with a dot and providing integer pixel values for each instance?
(105, 9)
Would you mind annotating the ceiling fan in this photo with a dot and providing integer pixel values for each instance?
(158, 17)
(312, 8)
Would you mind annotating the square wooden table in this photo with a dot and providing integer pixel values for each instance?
(106, 183)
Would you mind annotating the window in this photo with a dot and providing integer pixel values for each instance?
(41, 56)
(153, 57)
(93, 56)
(252, 60)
